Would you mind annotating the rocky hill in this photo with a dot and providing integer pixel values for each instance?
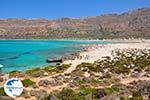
(132, 24)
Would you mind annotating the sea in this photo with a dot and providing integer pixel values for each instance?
(22, 55)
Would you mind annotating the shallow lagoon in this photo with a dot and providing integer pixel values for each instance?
(27, 54)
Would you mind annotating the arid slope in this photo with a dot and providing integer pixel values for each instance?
(132, 24)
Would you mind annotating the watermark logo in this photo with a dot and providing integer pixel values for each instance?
(13, 87)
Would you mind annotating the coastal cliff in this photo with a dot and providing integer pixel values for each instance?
(132, 24)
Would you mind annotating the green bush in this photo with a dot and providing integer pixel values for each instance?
(57, 68)
(86, 91)
(120, 69)
(137, 95)
(82, 82)
(32, 70)
(66, 94)
(137, 98)
(50, 69)
(28, 82)
(95, 82)
(2, 92)
(90, 66)
(110, 91)
(85, 65)
(14, 72)
(63, 66)
(69, 94)
(81, 93)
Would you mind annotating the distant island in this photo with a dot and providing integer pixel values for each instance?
(132, 24)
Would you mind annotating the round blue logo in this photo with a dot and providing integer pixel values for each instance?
(13, 87)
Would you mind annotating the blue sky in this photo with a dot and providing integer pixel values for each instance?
(52, 9)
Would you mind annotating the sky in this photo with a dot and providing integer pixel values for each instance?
(54, 9)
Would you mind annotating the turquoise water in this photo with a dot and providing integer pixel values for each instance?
(27, 54)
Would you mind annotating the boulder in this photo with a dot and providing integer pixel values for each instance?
(59, 77)
(25, 94)
(140, 84)
(44, 83)
(45, 74)
(146, 74)
(52, 98)
(87, 79)
(100, 93)
(135, 74)
(73, 84)
(77, 74)
(111, 97)
(145, 90)
(122, 89)
(38, 93)
(52, 81)
(58, 80)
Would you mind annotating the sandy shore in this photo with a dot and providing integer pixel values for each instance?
(96, 52)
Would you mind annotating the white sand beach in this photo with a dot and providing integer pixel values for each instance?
(96, 52)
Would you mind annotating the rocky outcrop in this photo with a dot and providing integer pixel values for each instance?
(51, 82)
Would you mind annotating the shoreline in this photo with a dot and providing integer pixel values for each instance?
(93, 53)
(115, 40)
(100, 49)
(91, 48)
(96, 52)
